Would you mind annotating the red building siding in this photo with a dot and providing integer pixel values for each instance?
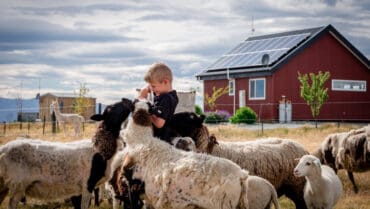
(324, 54)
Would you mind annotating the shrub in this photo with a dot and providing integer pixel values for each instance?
(198, 110)
(244, 115)
(217, 117)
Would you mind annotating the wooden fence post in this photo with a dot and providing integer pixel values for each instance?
(53, 123)
(43, 125)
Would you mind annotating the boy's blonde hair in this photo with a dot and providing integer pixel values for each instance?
(158, 72)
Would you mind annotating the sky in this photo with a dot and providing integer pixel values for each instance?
(57, 46)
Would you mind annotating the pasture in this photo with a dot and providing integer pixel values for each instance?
(307, 135)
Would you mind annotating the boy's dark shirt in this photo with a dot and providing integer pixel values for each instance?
(167, 104)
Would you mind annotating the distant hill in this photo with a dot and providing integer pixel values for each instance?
(10, 107)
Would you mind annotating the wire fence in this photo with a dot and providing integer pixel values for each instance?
(353, 112)
(44, 128)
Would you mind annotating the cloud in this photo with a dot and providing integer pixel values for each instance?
(58, 45)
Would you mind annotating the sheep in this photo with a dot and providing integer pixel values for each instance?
(75, 119)
(347, 150)
(121, 180)
(179, 179)
(260, 192)
(272, 159)
(323, 187)
(55, 170)
(184, 143)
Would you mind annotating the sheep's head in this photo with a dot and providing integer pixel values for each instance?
(308, 165)
(184, 143)
(114, 115)
(141, 115)
(186, 123)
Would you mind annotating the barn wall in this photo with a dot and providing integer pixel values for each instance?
(326, 54)
(68, 106)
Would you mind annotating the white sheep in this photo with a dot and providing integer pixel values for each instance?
(272, 159)
(323, 187)
(178, 179)
(55, 170)
(260, 192)
(63, 118)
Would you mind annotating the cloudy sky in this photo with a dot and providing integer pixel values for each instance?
(54, 46)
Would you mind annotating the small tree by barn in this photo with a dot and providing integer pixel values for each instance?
(210, 101)
(313, 92)
(82, 102)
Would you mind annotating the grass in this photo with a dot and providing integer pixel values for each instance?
(307, 135)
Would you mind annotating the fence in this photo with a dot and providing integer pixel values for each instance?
(354, 111)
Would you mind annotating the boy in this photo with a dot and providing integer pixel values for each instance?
(159, 79)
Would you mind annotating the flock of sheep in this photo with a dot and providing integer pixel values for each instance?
(196, 171)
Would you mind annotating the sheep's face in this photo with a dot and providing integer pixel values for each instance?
(141, 115)
(184, 123)
(307, 165)
(184, 143)
(114, 115)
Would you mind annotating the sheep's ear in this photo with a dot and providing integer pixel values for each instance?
(97, 117)
(317, 163)
(297, 159)
(202, 117)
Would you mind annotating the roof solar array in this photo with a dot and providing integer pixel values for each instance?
(250, 52)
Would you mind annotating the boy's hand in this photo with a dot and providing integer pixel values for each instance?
(144, 92)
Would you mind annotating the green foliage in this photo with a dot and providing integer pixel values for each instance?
(216, 93)
(244, 115)
(81, 103)
(313, 91)
(198, 110)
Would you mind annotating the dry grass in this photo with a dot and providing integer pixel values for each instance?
(307, 135)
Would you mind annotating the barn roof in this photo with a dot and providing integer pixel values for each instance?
(261, 55)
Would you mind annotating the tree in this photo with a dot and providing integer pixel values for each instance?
(216, 93)
(313, 92)
(81, 102)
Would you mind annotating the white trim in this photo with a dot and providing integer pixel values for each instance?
(232, 81)
(264, 89)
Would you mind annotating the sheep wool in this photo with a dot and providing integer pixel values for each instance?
(179, 179)
(272, 159)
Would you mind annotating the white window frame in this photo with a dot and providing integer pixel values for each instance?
(361, 87)
(264, 89)
(231, 87)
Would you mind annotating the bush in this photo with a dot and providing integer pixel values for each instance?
(244, 115)
(198, 110)
(217, 117)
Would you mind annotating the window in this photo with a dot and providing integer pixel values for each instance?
(257, 88)
(231, 87)
(348, 85)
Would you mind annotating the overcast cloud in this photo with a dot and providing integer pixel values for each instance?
(55, 46)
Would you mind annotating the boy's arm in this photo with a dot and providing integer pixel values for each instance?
(157, 121)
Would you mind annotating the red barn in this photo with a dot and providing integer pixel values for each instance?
(262, 70)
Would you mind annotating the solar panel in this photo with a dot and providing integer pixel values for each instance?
(250, 52)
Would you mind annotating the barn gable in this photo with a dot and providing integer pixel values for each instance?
(262, 72)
